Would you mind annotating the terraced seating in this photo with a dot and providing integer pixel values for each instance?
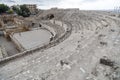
(81, 49)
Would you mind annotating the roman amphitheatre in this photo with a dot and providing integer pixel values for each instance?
(61, 44)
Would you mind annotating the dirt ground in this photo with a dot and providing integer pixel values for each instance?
(9, 46)
(31, 39)
(92, 52)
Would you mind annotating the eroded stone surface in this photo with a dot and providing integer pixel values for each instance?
(82, 50)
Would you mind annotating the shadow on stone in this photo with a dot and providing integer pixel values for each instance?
(106, 62)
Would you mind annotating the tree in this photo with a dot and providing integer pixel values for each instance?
(25, 12)
(3, 8)
(22, 10)
(14, 8)
(17, 10)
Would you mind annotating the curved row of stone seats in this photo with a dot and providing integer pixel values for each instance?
(38, 48)
(50, 29)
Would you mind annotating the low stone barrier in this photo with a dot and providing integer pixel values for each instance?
(35, 49)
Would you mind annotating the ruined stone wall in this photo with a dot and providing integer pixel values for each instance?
(60, 23)
(0, 23)
(16, 42)
(51, 44)
(7, 19)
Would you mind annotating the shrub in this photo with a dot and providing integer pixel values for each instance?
(10, 11)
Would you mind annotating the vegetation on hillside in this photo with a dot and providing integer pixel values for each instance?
(25, 12)
(3, 8)
(21, 10)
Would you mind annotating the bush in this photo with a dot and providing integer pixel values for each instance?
(10, 11)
